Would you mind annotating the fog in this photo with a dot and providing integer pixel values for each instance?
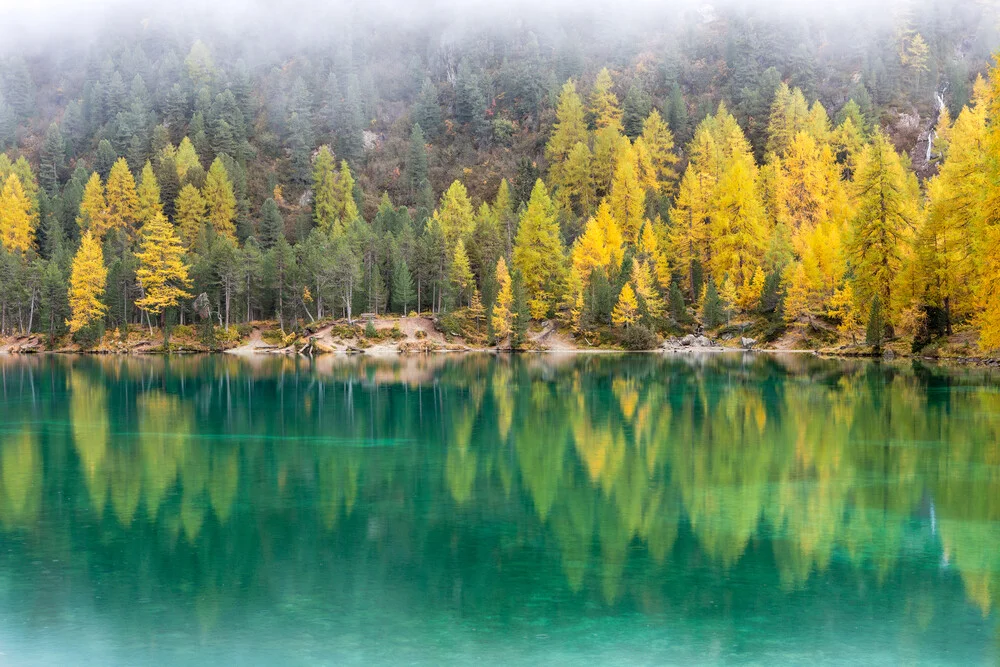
(69, 24)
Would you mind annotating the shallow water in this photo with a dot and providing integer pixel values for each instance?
(628, 510)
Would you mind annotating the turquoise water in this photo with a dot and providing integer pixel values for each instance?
(596, 509)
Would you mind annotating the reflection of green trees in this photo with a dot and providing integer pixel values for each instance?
(607, 462)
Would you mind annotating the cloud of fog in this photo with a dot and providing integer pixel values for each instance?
(30, 26)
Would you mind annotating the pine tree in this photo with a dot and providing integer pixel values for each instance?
(149, 196)
(87, 282)
(17, 220)
(678, 311)
(162, 274)
(51, 160)
(416, 170)
(712, 313)
(190, 216)
(402, 286)
(875, 329)
(122, 198)
(272, 226)
(538, 253)
(520, 314)
(220, 200)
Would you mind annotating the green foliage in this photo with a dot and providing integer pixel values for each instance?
(638, 337)
(875, 328)
(712, 309)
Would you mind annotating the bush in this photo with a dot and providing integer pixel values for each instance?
(244, 330)
(185, 331)
(639, 337)
(421, 334)
(370, 331)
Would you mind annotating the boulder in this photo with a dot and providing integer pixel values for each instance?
(703, 341)
(748, 343)
(690, 340)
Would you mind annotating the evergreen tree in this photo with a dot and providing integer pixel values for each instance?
(520, 314)
(875, 329)
(272, 226)
(105, 159)
(51, 160)
(402, 286)
(712, 314)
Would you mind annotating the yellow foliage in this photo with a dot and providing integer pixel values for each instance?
(86, 284)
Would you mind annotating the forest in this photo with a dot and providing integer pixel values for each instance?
(705, 166)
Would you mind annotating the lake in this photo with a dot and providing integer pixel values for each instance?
(580, 509)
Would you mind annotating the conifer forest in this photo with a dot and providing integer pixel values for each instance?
(816, 178)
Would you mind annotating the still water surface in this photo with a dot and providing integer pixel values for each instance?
(596, 509)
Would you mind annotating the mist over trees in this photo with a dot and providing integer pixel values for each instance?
(667, 164)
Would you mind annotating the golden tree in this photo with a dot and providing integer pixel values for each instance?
(190, 214)
(162, 274)
(121, 197)
(17, 222)
(93, 208)
(220, 201)
(505, 300)
(86, 284)
(626, 311)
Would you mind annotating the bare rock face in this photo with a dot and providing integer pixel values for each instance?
(689, 342)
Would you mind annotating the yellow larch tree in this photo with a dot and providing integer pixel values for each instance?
(570, 129)
(149, 195)
(659, 141)
(504, 302)
(220, 200)
(185, 157)
(626, 311)
(122, 198)
(162, 274)
(93, 214)
(17, 221)
(190, 214)
(628, 196)
(455, 214)
(988, 288)
(87, 281)
(539, 254)
(604, 107)
(644, 286)
(738, 224)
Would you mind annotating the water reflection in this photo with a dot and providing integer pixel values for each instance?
(511, 492)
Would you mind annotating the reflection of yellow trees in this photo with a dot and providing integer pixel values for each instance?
(613, 457)
(88, 413)
(20, 479)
